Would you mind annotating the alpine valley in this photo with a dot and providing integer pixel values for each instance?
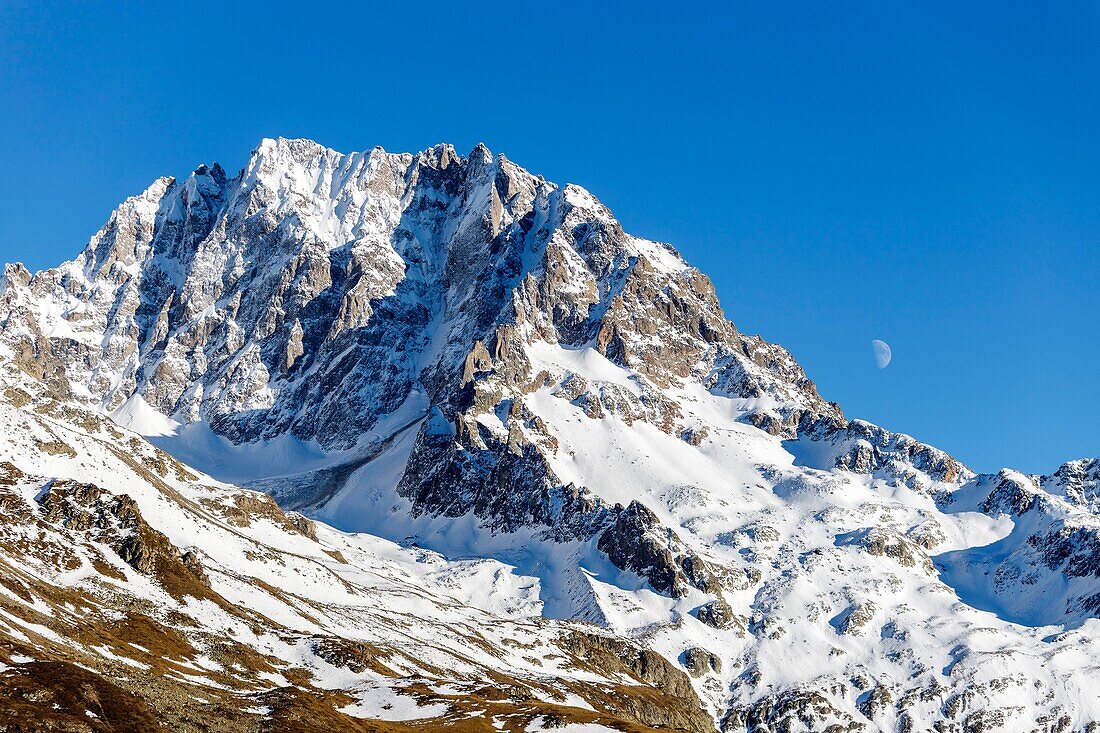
(394, 442)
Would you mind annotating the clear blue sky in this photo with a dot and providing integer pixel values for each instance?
(923, 173)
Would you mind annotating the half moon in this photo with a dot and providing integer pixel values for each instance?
(882, 352)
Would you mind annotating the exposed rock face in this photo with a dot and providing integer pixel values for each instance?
(355, 656)
(249, 507)
(883, 543)
(116, 521)
(876, 702)
(680, 707)
(792, 711)
(1011, 494)
(861, 447)
(720, 615)
(854, 619)
(698, 662)
(1078, 482)
(637, 542)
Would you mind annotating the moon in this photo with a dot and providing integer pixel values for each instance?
(882, 352)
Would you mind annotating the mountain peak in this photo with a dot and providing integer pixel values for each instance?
(481, 153)
(440, 155)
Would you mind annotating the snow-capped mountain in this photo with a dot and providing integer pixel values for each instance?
(532, 421)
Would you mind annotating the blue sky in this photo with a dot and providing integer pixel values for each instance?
(923, 173)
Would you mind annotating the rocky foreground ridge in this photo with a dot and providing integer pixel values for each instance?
(532, 422)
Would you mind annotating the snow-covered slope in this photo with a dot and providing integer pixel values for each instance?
(160, 594)
(451, 354)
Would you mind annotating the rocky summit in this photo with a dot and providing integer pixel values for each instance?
(379, 441)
